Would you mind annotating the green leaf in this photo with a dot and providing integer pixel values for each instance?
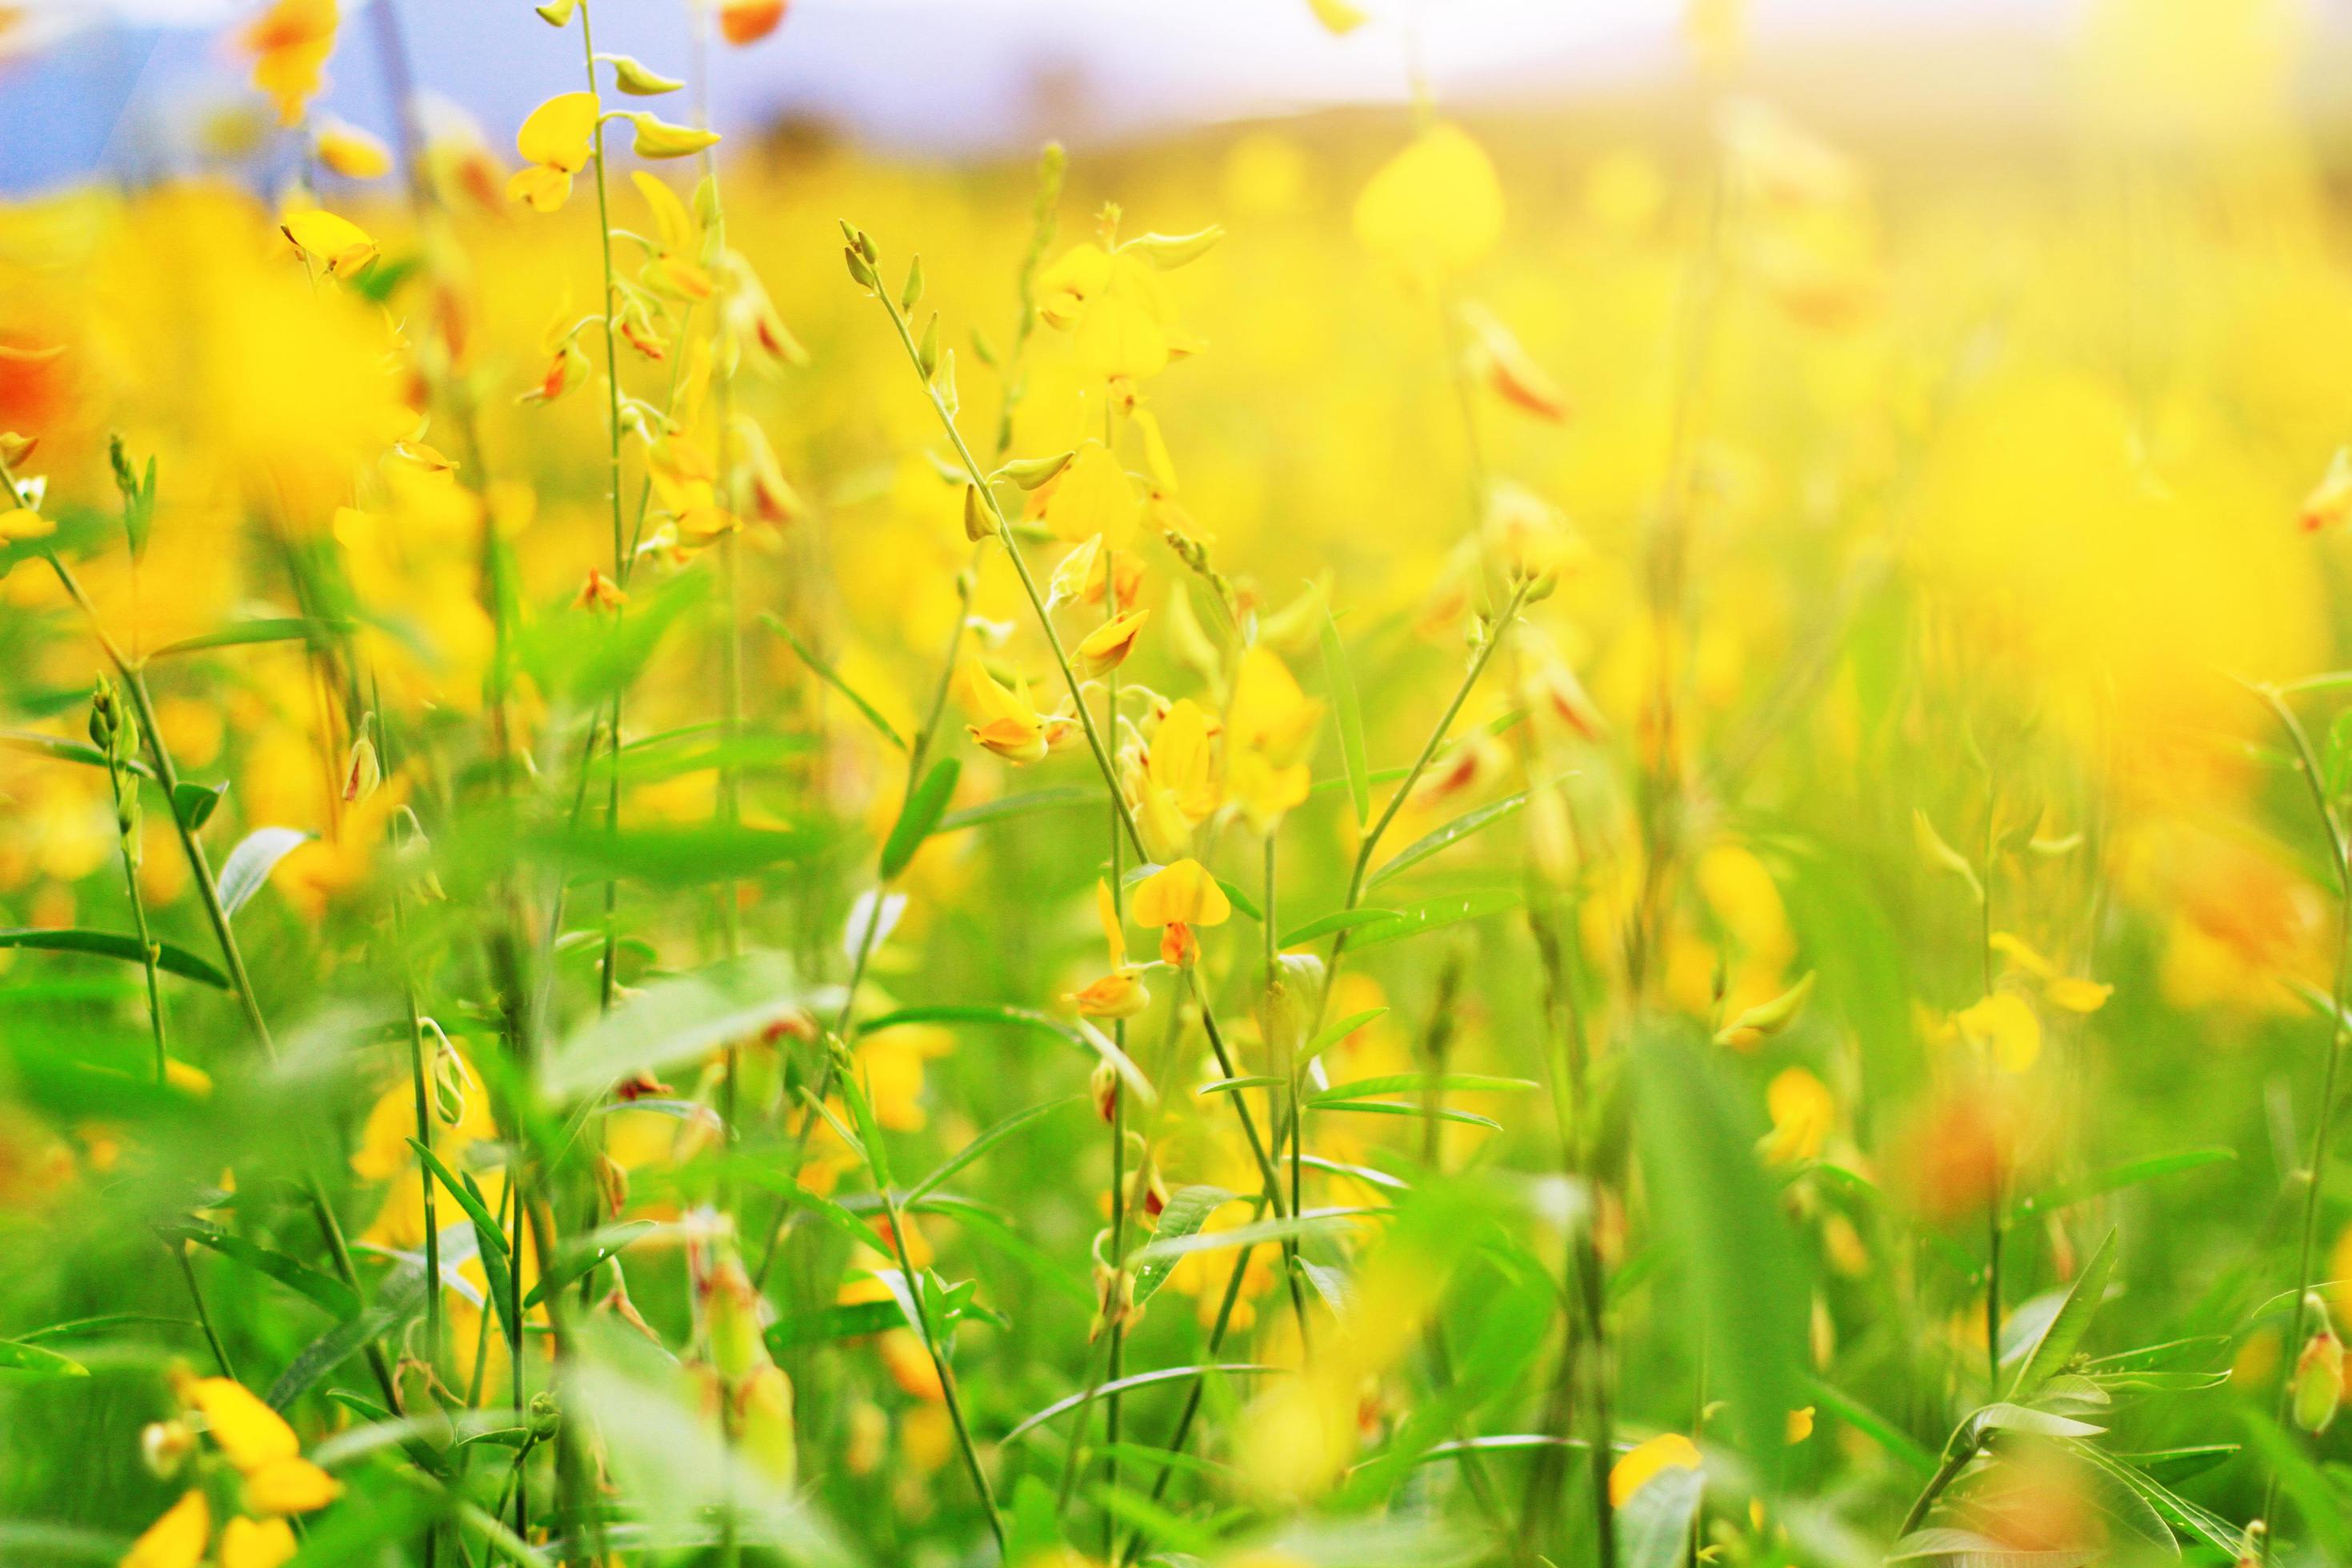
(987, 1141)
(1124, 1385)
(396, 1301)
(2056, 1344)
(2194, 1518)
(1350, 713)
(248, 865)
(674, 1021)
(676, 858)
(920, 815)
(496, 1265)
(1002, 1015)
(1338, 919)
(854, 1321)
(1744, 1288)
(316, 633)
(193, 804)
(169, 957)
(826, 673)
(1654, 1526)
(1331, 1035)
(1444, 839)
(585, 1255)
(1394, 1108)
(66, 750)
(1314, 1222)
(1419, 920)
(1054, 797)
(1242, 900)
(1187, 1209)
(1233, 1085)
(2003, 1416)
(844, 1224)
(15, 1355)
(1423, 1083)
(339, 1299)
(2130, 1173)
(1899, 1445)
(2180, 1464)
(1967, 1548)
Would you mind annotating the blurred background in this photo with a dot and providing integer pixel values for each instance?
(91, 87)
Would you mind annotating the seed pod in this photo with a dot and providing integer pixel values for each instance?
(927, 354)
(859, 272)
(2319, 1379)
(977, 525)
(913, 290)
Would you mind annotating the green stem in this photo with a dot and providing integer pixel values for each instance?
(159, 756)
(2308, 1247)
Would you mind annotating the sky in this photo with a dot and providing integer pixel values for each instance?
(108, 86)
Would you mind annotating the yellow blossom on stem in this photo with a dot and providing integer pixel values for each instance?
(1106, 646)
(289, 44)
(556, 140)
(1184, 891)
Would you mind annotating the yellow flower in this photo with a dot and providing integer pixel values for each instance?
(1803, 1112)
(338, 244)
(2329, 505)
(1092, 495)
(1435, 209)
(1177, 790)
(177, 1539)
(1184, 892)
(289, 1486)
(23, 522)
(1106, 646)
(556, 140)
(257, 1544)
(749, 21)
(351, 151)
(1667, 1451)
(289, 44)
(249, 1431)
(1270, 713)
(2005, 1024)
(1801, 1424)
(1122, 321)
(1008, 723)
(1121, 994)
(674, 268)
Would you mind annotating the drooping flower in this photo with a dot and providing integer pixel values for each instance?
(335, 243)
(289, 44)
(748, 21)
(1106, 646)
(355, 153)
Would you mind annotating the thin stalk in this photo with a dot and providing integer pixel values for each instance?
(914, 1284)
(612, 480)
(979, 481)
(159, 756)
(2308, 1246)
(1116, 1363)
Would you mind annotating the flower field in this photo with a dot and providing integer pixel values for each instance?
(1416, 836)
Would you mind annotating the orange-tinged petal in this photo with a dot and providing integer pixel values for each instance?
(1184, 891)
(749, 21)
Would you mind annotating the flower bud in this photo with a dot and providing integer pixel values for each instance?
(165, 1447)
